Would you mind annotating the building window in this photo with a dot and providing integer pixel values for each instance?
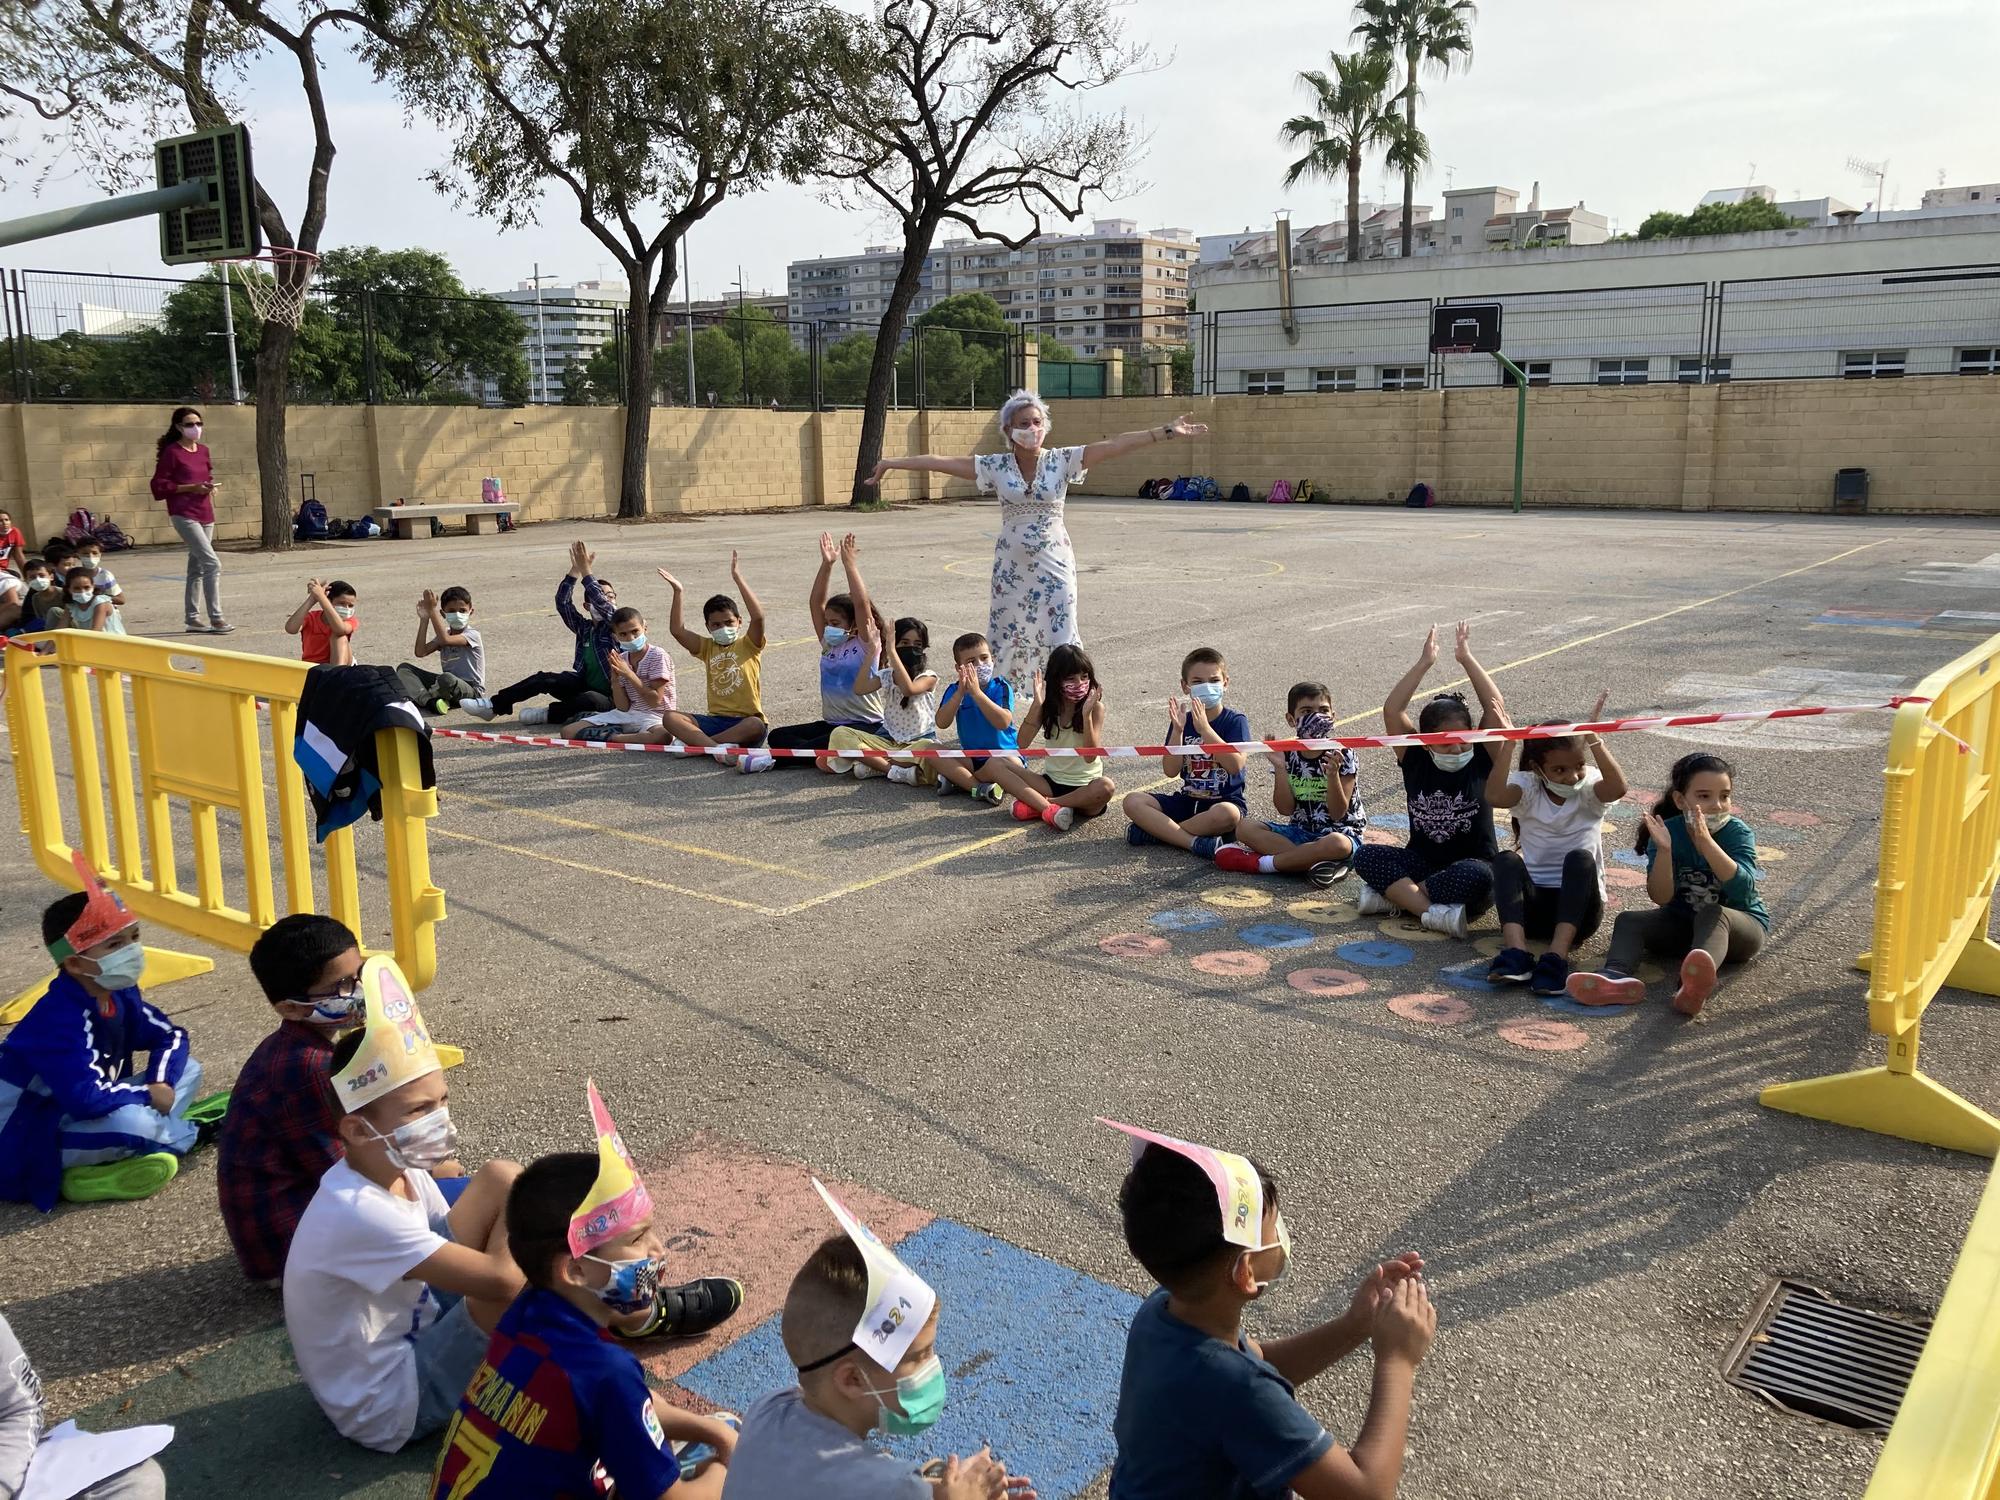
(1263, 382)
(1402, 378)
(1457, 240)
(1458, 210)
(1979, 361)
(1688, 371)
(1539, 372)
(1336, 380)
(1623, 371)
(1069, 291)
(1873, 364)
(1090, 348)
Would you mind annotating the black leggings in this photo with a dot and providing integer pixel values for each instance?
(812, 736)
(575, 698)
(1676, 929)
(1540, 909)
(1465, 882)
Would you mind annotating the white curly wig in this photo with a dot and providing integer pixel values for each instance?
(1017, 402)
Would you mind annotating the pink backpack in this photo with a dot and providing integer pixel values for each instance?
(1281, 492)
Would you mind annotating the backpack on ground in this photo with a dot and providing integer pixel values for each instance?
(82, 526)
(1240, 492)
(1305, 491)
(1178, 490)
(1281, 492)
(1210, 490)
(365, 528)
(310, 524)
(507, 520)
(1421, 497)
(110, 536)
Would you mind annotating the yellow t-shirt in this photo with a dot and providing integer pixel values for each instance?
(1068, 770)
(735, 677)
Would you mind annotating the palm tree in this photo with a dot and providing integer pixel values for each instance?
(1437, 33)
(1353, 113)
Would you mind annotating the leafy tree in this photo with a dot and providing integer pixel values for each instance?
(844, 369)
(1717, 218)
(1180, 359)
(963, 120)
(746, 358)
(1419, 32)
(1353, 114)
(965, 340)
(431, 334)
(646, 114)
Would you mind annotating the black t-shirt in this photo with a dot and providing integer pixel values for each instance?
(1449, 817)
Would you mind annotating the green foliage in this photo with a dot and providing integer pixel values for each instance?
(1353, 113)
(1717, 218)
(748, 358)
(1180, 358)
(431, 334)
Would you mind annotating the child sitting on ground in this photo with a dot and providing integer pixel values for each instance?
(848, 649)
(1444, 877)
(391, 1292)
(1550, 885)
(75, 1120)
(444, 629)
(13, 546)
(733, 656)
(554, 1401)
(1204, 1410)
(987, 733)
(642, 686)
(1068, 709)
(90, 554)
(85, 608)
(1207, 808)
(325, 623)
(1701, 871)
(907, 692)
(14, 604)
(586, 687)
(1319, 791)
(44, 594)
(861, 1328)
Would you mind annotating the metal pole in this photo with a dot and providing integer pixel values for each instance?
(687, 304)
(742, 341)
(229, 339)
(190, 194)
(541, 385)
(1520, 421)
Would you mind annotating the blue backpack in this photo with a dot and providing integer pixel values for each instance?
(310, 524)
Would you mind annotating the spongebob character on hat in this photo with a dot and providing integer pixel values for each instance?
(78, 1120)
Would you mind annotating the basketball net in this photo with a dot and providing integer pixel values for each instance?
(277, 285)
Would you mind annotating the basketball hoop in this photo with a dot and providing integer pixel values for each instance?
(1454, 349)
(277, 289)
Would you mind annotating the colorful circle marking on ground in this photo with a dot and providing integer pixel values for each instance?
(1404, 928)
(1324, 910)
(1398, 821)
(1332, 984)
(1625, 880)
(1630, 857)
(1472, 976)
(1237, 898)
(1772, 856)
(1545, 1036)
(1791, 817)
(1134, 945)
(1277, 935)
(1373, 953)
(1432, 1009)
(1232, 963)
(1186, 919)
(1492, 943)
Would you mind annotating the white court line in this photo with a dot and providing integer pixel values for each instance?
(1401, 609)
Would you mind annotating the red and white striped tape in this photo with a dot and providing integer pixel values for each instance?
(1150, 752)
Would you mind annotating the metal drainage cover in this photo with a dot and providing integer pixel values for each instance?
(1808, 1354)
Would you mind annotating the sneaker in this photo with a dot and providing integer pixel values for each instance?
(988, 793)
(1697, 981)
(1022, 812)
(1205, 846)
(1372, 903)
(482, 708)
(206, 1115)
(1449, 920)
(1551, 975)
(220, 627)
(1608, 988)
(1236, 858)
(691, 1309)
(841, 767)
(756, 760)
(1061, 819)
(440, 706)
(195, 627)
(120, 1181)
(1137, 837)
(946, 786)
(903, 775)
(863, 771)
(1512, 966)
(533, 716)
(1328, 872)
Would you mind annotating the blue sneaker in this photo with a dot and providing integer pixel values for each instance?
(1551, 975)
(1205, 847)
(1511, 966)
(1137, 837)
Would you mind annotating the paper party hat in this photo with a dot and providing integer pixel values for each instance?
(1238, 1189)
(395, 1047)
(899, 1301)
(617, 1199)
(104, 915)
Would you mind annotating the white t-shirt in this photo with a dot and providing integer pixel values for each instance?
(1550, 829)
(350, 1314)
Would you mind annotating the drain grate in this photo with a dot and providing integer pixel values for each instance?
(1808, 1354)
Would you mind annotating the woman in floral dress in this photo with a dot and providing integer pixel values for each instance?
(1034, 570)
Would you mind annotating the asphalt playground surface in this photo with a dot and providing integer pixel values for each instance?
(927, 1003)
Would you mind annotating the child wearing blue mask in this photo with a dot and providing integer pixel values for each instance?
(980, 705)
(642, 686)
(1204, 813)
(850, 694)
(1444, 876)
(77, 1119)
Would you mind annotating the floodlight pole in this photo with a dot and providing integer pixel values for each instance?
(190, 194)
(229, 339)
(1520, 420)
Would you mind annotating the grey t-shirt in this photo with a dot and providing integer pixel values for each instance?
(468, 662)
(20, 1413)
(787, 1450)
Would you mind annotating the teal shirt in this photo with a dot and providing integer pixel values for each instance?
(1695, 883)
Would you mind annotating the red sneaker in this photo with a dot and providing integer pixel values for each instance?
(1605, 989)
(1024, 813)
(1697, 981)
(1238, 858)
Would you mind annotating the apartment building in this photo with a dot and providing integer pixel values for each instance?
(571, 323)
(1321, 244)
(1490, 218)
(1114, 287)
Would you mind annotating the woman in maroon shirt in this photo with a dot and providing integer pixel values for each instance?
(183, 479)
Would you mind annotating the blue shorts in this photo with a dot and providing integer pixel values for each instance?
(1180, 806)
(447, 1354)
(452, 1189)
(1307, 836)
(715, 724)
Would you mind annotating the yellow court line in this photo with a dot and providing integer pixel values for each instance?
(581, 867)
(1666, 614)
(637, 838)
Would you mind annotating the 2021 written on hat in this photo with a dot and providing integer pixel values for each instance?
(617, 1199)
(1238, 1189)
(395, 1046)
(103, 916)
(899, 1301)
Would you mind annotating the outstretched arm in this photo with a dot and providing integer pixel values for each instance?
(1396, 708)
(1114, 447)
(924, 463)
(752, 608)
(676, 626)
(1493, 708)
(816, 601)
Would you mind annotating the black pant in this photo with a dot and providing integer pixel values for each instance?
(1540, 909)
(812, 736)
(572, 691)
(1673, 930)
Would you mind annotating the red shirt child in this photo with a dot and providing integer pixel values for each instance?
(325, 623)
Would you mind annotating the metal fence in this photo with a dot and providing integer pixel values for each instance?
(1941, 320)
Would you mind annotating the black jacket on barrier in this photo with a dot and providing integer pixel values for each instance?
(334, 744)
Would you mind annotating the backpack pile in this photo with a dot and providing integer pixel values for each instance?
(85, 527)
(310, 524)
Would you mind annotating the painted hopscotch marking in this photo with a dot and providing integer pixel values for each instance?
(1984, 574)
(1716, 692)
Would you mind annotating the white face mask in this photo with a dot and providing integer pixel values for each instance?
(191, 431)
(1451, 760)
(1026, 437)
(428, 1141)
(345, 611)
(457, 619)
(723, 635)
(1562, 790)
(84, 598)
(1716, 819)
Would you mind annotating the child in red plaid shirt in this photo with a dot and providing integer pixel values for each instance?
(281, 1133)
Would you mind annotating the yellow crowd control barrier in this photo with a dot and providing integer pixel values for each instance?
(194, 741)
(1945, 1441)
(1933, 902)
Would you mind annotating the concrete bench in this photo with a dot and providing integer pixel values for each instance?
(405, 520)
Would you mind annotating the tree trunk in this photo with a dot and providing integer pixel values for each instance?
(882, 369)
(274, 360)
(632, 489)
(1354, 205)
(1409, 173)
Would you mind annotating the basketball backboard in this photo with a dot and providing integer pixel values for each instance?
(1466, 327)
(226, 226)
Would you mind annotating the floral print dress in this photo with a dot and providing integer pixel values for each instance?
(1034, 569)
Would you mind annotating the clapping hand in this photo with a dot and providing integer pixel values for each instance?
(968, 678)
(1379, 1282)
(1177, 714)
(669, 580)
(827, 551)
(1428, 652)
(1656, 829)
(850, 548)
(316, 590)
(581, 559)
(426, 602)
(1462, 651)
(1405, 1322)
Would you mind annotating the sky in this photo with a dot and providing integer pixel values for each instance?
(1625, 105)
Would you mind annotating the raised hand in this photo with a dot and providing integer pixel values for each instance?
(1462, 652)
(1656, 829)
(734, 571)
(1378, 1282)
(1041, 689)
(875, 477)
(668, 579)
(1428, 652)
(850, 547)
(1177, 713)
(428, 601)
(1186, 426)
(828, 553)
